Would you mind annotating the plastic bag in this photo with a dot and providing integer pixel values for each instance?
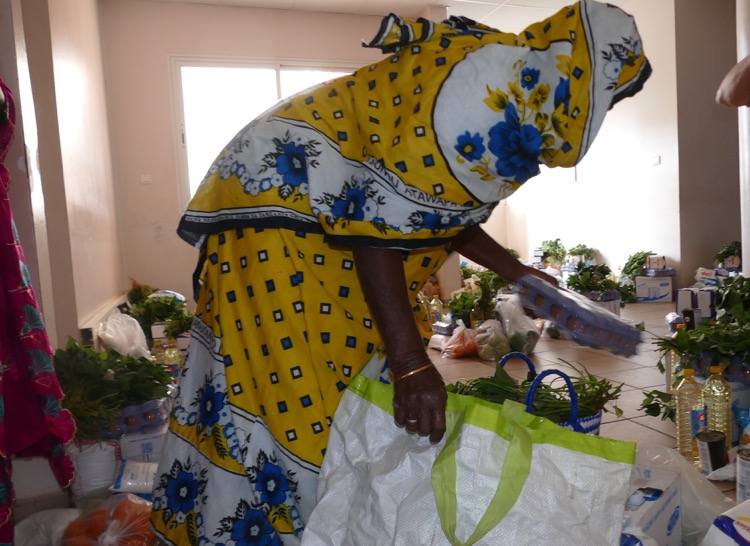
(462, 342)
(44, 528)
(123, 334)
(520, 329)
(492, 344)
(135, 477)
(120, 520)
(701, 500)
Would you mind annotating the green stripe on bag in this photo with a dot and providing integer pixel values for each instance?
(485, 415)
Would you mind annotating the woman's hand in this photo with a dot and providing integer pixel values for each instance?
(419, 398)
(419, 401)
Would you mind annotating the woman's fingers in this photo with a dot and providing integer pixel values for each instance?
(419, 406)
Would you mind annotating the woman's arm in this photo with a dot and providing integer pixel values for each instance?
(479, 247)
(734, 89)
(419, 399)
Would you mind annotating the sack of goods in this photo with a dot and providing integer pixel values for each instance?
(500, 476)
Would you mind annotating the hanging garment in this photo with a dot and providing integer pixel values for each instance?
(32, 422)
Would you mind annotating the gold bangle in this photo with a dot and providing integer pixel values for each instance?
(413, 372)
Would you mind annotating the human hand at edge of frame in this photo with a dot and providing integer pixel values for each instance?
(419, 402)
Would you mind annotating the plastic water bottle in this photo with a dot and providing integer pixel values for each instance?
(717, 396)
(690, 415)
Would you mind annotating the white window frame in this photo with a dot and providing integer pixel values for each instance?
(177, 62)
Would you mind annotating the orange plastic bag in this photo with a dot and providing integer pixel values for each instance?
(461, 343)
(122, 520)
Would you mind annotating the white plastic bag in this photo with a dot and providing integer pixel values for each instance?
(123, 334)
(492, 343)
(520, 329)
(701, 500)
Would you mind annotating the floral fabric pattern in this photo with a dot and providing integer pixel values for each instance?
(410, 151)
(32, 420)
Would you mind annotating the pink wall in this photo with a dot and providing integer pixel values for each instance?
(139, 38)
(85, 150)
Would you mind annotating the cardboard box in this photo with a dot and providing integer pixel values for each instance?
(730, 528)
(703, 299)
(706, 302)
(653, 289)
(146, 447)
(654, 507)
(685, 298)
(656, 262)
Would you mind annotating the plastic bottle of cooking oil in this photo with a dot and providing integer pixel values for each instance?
(717, 396)
(173, 358)
(436, 309)
(690, 415)
(674, 362)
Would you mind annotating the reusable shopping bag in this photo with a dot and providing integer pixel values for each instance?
(590, 424)
(501, 476)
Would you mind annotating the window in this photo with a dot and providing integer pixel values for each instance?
(216, 99)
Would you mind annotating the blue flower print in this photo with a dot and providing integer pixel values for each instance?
(357, 201)
(350, 205)
(516, 146)
(433, 221)
(211, 404)
(272, 484)
(181, 492)
(470, 146)
(529, 78)
(254, 529)
(562, 94)
(291, 164)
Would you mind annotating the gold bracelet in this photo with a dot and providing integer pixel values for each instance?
(413, 372)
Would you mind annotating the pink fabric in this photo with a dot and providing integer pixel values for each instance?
(32, 421)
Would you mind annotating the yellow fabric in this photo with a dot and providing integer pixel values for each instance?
(289, 325)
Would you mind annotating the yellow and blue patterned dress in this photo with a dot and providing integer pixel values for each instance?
(405, 153)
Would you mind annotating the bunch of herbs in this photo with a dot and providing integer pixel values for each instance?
(552, 400)
(97, 385)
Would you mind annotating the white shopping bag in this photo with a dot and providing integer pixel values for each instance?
(500, 477)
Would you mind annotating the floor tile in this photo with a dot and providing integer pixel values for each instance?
(634, 432)
(640, 378)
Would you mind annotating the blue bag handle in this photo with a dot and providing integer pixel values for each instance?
(573, 396)
(517, 354)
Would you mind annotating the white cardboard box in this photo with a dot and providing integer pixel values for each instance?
(730, 528)
(146, 447)
(654, 506)
(653, 289)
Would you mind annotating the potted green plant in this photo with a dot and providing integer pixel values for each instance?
(148, 307)
(732, 252)
(481, 287)
(633, 267)
(725, 343)
(98, 386)
(583, 252)
(596, 283)
(553, 252)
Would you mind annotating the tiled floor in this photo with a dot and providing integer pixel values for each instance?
(638, 374)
